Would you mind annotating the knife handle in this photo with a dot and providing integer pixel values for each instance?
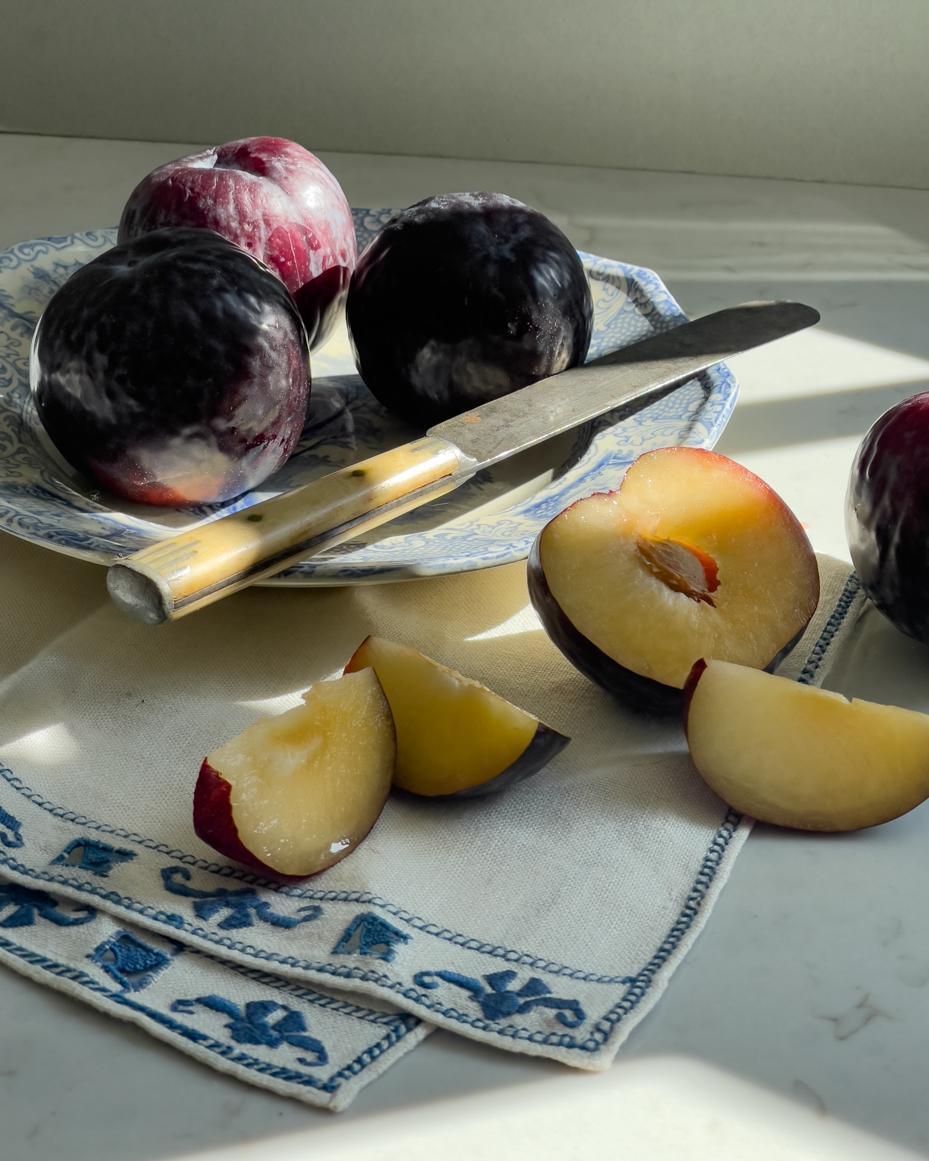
(177, 576)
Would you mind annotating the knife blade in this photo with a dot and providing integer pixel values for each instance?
(191, 570)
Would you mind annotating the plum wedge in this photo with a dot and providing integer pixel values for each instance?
(454, 736)
(295, 793)
(693, 557)
(802, 757)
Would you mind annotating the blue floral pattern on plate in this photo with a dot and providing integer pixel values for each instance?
(492, 520)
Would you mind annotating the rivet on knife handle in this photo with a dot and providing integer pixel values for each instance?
(176, 576)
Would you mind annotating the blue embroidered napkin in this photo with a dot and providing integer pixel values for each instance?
(544, 920)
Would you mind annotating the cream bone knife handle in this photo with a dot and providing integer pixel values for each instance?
(194, 569)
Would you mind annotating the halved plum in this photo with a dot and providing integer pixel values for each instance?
(803, 757)
(294, 794)
(454, 736)
(694, 556)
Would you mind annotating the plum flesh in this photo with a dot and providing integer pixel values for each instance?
(803, 757)
(455, 737)
(296, 793)
(173, 368)
(463, 298)
(887, 515)
(639, 692)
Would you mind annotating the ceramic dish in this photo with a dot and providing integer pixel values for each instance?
(490, 520)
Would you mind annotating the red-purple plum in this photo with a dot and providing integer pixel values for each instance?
(273, 198)
(887, 515)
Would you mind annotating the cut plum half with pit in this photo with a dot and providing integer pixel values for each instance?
(294, 794)
(693, 556)
(455, 737)
(803, 757)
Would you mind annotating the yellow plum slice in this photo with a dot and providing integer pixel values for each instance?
(803, 757)
(454, 736)
(693, 556)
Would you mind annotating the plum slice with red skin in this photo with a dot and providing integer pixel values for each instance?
(292, 795)
(214, 822)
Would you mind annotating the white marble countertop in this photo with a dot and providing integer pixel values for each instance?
(810, 977)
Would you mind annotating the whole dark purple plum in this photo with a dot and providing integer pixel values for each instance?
(887, 515)
(463, 298)
(174, 368)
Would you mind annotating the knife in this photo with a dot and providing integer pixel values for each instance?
(177, 576)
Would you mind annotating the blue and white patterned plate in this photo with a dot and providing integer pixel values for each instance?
(490, 520)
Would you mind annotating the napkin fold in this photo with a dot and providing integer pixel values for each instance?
(545, 920)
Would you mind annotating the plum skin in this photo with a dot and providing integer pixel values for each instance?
(463, 298)
(690, 687)
(887, 515)
(273, 198)
(213, 821)
(174, 368)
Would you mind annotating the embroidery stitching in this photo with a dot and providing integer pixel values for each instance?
(129, 961)
(97, 857)
(640, 987)
(497, 1001)
(240, 904)
(836, 618)
(14, 838)
(403, 1025)
(251, 1026)
(602, 1030)
(366, 933)
(27, 903)
(468, 943)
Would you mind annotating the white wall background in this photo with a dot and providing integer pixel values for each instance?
(832, 90)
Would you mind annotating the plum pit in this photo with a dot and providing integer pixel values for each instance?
(682, 567)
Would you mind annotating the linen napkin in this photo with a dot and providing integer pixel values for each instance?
(546, 919)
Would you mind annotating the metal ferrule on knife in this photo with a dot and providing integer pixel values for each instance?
(194, 569)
